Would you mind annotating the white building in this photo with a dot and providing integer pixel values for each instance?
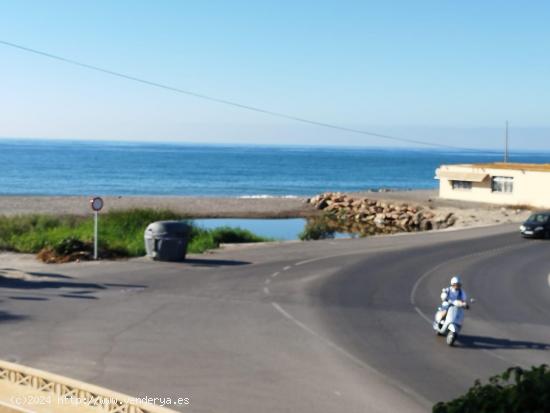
(496, 183)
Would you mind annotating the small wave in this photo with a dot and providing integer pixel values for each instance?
(262, 196)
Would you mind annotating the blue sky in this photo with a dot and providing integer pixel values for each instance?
(442, 71)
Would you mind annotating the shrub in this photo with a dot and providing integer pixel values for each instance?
(226, 235)
(203, 239)
(70, 245)
(530, 393)
(120, 234)
(318, 228)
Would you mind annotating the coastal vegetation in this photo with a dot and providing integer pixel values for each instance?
(321, 227)
(120, 234)
(516, 390)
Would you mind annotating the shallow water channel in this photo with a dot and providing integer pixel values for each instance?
(279, 229)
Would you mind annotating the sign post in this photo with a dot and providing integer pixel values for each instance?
(96, 203)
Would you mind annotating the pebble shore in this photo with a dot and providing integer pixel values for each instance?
(463, 214)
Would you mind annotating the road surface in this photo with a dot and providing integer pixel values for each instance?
(311, 327)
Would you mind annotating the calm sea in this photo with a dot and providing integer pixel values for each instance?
(41, 167)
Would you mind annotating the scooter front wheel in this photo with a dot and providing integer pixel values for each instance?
(437, 328)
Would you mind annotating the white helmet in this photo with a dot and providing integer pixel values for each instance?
(456, 280)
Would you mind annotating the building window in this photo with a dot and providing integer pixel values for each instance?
(461, 185)
(502, 184)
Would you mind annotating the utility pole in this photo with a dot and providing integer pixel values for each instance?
(506, 145)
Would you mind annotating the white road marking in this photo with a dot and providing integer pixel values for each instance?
(427, 273)
(419, 281)
(424, 316)
(267, 281)
(335, 256)
(445, 263)
(288, 267)
(369, 249)
(266, 290)
(275, 274)
(548, 280)
(489, 352)
(350, 356)
(363, 251)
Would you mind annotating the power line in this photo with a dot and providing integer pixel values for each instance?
(232, 103)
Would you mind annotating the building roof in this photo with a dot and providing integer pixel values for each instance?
(538, 167)
(461, 176)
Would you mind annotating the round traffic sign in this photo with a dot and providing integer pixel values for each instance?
(96, 203)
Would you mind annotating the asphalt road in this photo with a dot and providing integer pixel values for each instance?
(310, 327)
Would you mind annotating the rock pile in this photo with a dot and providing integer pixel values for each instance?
(380, 216)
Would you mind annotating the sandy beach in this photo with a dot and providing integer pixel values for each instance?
(468, 214)
(194, 207)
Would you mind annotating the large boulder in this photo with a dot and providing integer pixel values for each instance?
(374, 216)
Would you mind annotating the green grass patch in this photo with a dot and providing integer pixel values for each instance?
(203, 239)
(120, 232)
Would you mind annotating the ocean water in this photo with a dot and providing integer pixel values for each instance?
(47, 167)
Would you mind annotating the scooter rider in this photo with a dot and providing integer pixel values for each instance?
(453, 295)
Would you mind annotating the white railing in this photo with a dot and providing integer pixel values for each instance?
(68, 391)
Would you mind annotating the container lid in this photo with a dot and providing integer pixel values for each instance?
(169, 228)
